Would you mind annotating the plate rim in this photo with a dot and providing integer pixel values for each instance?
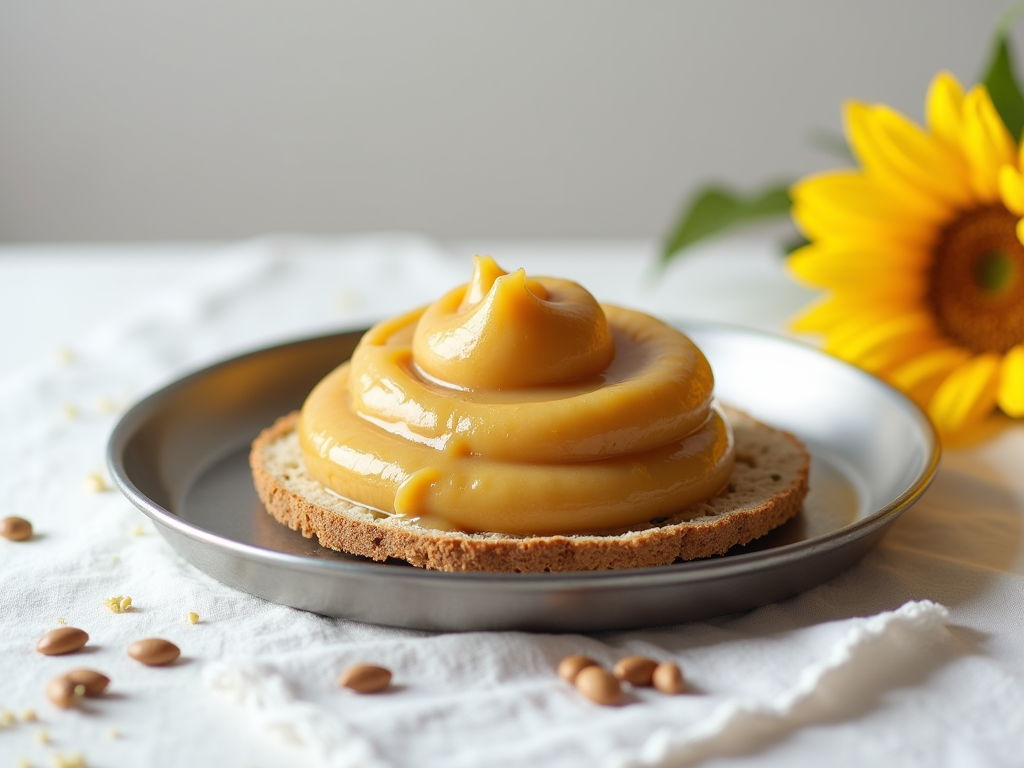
(693, 570)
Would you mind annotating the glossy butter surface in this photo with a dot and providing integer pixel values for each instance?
(519, 406)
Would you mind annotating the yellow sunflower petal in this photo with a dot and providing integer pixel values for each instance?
(944, 108)
(818, 225)
(839, 338)
(883, 334)
(838, 258)
(921, 376)
(836, 310)
(897, 352)
(987, 144)
(891, 274)
(878, 164)
(1004, 147)
(924, 159)
(1011, 383)
(967, 395)
(824, 315)
(914, 166)
(847, 202)
(1011, 189)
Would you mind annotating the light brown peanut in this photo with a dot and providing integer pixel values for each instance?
(63, 692)
(62, 640)
(599, 685)
(154, 651)
(365, 678)
(635, 670)
(93, 682)
(15, 528)
(571, 666)
(668, 678)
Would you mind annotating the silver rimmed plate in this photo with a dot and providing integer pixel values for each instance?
(181, 456)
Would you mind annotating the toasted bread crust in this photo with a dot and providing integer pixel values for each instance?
(767, 488)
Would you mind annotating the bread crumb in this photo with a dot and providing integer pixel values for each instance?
(94, 482)
(113, 733)
(193, 617)
(138, 530)
(65, 355)
(61, 621)
(77, 760)
(42, 737)
(119, 603)
(6, 718)
(28, 715)
(69, 411)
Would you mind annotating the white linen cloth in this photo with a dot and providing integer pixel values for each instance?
(912, 657)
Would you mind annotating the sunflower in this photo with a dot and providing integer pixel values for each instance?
(920, 252)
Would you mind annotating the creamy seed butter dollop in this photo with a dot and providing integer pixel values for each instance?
(519, 406)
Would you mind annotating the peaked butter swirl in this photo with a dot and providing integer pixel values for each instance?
(519, 406)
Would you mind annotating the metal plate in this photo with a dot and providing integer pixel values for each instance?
(181, 456)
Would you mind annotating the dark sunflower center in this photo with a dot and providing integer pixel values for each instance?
(976, 280)
(996, 272)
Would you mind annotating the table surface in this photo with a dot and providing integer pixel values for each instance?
(840, 673)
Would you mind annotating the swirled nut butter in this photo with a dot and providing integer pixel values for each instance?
(522, 406)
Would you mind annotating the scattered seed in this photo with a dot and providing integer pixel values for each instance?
(61, 621)
(42, 737)
(138, 530)
(570, 667)
(23, 763)
(154, 651)
(6, 718)
(668, 678)
(119, 603)
(599, 685)
(62, 640)
(76, 760)
(93, 683)
(95, 483)
(69, 411)
(65, 356)
(635, 670)
(193, 617)
(15, 528)
(63, 692)
(28, 716)
(365, 678)
(106, 405)
(113, 733)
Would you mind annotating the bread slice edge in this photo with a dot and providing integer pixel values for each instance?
(767, 487)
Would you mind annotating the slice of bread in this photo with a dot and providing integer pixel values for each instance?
(766, 488)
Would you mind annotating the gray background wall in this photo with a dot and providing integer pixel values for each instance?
(200, 119)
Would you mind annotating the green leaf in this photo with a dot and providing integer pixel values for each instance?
(1000, 79)
(797, 242)
(715, 210)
